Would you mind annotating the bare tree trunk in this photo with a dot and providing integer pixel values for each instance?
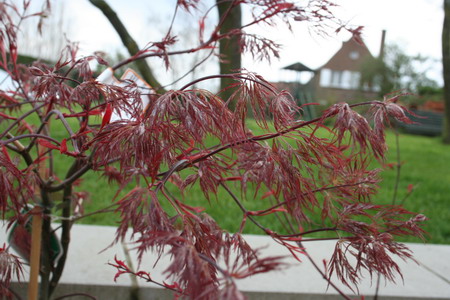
(46, 263)
(230, 54)
(446, 69)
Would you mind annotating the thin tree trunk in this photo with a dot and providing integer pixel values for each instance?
(230, 54)
(46, 263)
(446, 70)
(66, 226)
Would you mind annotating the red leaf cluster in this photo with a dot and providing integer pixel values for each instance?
(10, 267)
(16, 186)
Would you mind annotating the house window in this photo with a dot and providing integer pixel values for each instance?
(336, 79)
(347, 80)
(339, 79)
(325, 77)
(355, 78)
(354, 55)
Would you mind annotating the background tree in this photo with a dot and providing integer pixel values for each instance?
(446, 69)
(230, 16)
(395, 71)
(61, 116)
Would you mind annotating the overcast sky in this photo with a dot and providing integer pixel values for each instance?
(415, 25)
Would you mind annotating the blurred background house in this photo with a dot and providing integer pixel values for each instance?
(340, 78)
(353, 74)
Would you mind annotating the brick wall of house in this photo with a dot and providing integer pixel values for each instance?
(343, 59)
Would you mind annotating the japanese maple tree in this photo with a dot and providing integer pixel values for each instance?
(110, 132)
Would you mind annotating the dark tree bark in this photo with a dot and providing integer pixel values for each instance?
(230, 54)
(446, 69)
(127, 41)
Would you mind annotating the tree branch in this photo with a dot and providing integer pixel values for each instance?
(70, 179)
(66, 226)
(31, 135)
(18, 120)
(127, 41)
(63, 121)
(266, 230)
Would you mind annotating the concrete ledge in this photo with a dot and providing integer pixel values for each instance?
(87, 271)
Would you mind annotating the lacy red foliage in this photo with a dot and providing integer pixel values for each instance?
(299, 169)
(10, 268)
(16, 185)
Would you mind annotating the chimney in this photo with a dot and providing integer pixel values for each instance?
(383, 38)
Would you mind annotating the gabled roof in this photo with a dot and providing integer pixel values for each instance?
(349, 56)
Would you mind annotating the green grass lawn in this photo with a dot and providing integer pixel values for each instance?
(425, 164)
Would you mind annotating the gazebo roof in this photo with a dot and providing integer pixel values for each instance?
(299, 67)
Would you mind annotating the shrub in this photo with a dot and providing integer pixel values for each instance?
(153, 146)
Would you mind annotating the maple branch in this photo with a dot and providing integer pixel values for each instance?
(192, 69)
(398, 167)
(408, 194)
(324, 276)
(22, 117)
(319, 190)
(215, 265)
(233, 76)
(124, 269)
(210, 43)
(72, 177)
(179, 165)
(220, 147)
(70, 69)
(136, 58)
(243, 209)
(75, 218)
(63, 121)
(31, 135)
(13, 148)
(377, 290)
(267, 231)
(288, 225)
(62, 78)
(77, 174)
(14, 105)
(46, 258)
(128, 42)
(65, 233)
(394, 197)
(19, 148)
